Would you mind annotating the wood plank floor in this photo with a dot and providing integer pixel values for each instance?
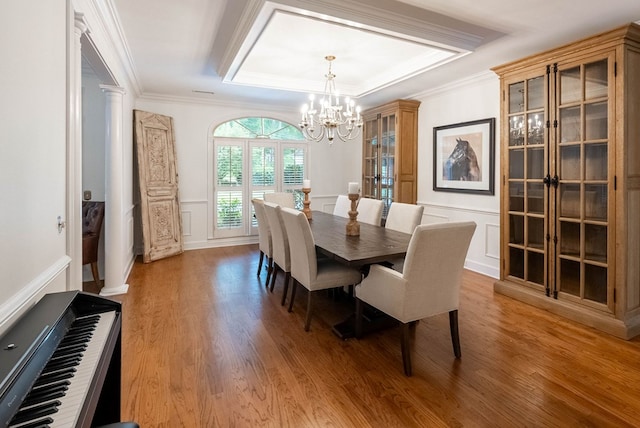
(206, 345)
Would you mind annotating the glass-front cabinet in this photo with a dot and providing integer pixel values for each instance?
(389, 153)
(569, 211)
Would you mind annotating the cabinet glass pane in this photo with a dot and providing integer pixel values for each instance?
(570, 88)
(595, 283)
(516, 163)
(535, 198)
(535, 128)
(535, 163)
(535, 93)
(535, 267)
(570, 239)
(570, 162)
(516, 262)
(516, 97)
(516, 130)
(595, 162)
(516, 197)
(595, 196)
(570, 124)
(570, 277)
(570, 200)
(596, 121)
(535, 232)
(596, 79)
(516, 229)
(595, 242)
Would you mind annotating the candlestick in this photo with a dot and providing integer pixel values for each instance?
(306, 210)
(353, 227)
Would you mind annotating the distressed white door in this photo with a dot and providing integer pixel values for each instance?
(159, 203)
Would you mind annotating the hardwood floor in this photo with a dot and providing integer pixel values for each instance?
(206, 345)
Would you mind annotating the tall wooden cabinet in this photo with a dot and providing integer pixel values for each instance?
(390, 153)
(570, 211)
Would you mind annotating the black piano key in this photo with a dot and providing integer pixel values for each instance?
(56, 376)
(84, 338)
(40, 423)
(71, 350)
(44, 394)
(89, 319)
(35, 412)
(50, 385)
(61, 363)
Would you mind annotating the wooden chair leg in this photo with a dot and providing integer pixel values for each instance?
(287, 278)
(406, 349)
(94, 271)
(260, 262)
(273, 276)
(455, 335)
(307, 323)
(293, 294)
(269, 270)
(359, 306)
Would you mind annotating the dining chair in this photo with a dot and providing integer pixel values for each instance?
(284, 199)
(342, 207)
(306, 269)
(265, 243)
(429, 284)
(370, 211)
(280, 244)
(404, 217)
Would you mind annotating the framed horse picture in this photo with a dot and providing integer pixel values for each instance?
(463, 157)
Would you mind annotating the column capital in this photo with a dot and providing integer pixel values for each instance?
(110, 89)
(80, 22)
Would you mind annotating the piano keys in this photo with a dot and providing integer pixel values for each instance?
(60, 363)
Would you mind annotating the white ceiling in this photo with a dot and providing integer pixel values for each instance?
(272, 51)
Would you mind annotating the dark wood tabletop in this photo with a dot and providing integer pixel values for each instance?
(374, 245)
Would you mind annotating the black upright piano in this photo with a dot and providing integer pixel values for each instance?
(60, 363)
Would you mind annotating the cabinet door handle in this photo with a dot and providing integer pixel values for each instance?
(554, 181)
(547, 180)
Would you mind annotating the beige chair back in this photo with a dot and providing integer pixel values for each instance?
(264, 232)
(342, 207)
(284, 199)
(370, 211)
(279, 240)
(404, 217)
(302, 247)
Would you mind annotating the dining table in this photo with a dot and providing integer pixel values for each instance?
(375, 244)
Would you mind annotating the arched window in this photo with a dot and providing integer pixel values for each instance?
(253, 156)
(258, 127)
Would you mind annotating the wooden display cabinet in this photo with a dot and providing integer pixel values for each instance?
(570, 211)
(390, 153)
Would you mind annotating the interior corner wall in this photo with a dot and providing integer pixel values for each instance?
(33, 257)
(472, 100)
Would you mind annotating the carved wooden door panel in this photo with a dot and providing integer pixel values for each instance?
(159, 204)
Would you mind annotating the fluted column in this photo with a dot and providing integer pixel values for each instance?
(114, 167)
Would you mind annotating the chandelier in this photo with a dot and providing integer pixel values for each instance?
(334, 118)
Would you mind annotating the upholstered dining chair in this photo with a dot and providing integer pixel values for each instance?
(370, 211)
(306, 269)
(265, 243)
(280, 243)
(284, 199)
(404, 217)
(429, 284)
(92, 219)
(342, 207)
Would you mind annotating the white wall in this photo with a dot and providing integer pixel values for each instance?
(330, 167)
(32, 151)
(477, 98)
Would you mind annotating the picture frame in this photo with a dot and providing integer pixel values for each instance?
(464, 157)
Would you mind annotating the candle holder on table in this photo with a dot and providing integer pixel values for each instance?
(353, 227)
(306, 210)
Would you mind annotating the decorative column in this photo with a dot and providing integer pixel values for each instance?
(113, 242)
(353, 227)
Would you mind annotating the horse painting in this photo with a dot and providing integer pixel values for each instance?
(462, 163)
